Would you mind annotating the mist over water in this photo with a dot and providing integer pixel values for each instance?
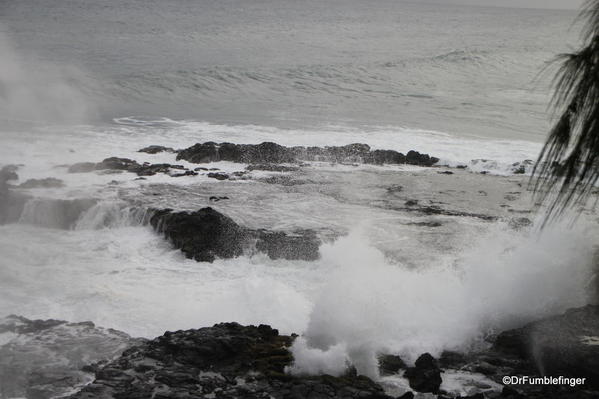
(44, 93)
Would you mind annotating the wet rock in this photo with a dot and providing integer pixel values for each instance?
(218, 176)
(115, 163)
(416, 158)
(272, 153)
(284, 180)
(48, 182)
(152, 169)
(381, 157)
(566, 345)
(207, 234)
(445, 172)
(411, 202)
(185, 173)
(224, 361)
(425, 376)
(45, 358)
(302, 245)
(202, 235)
(390, 364)
(155, 149)
(272, 168)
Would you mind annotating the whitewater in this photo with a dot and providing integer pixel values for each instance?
(81, 84)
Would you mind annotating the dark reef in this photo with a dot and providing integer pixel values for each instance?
(207, 234)
(274, 153)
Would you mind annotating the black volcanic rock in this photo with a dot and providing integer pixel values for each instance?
(207, 234)
(390, 364)
(225, 361)
(279, 245)
(155, 149)
(201, 153)
(381, 157)
(425, 376)
(416, 158)
(202, 235)
(269, 167)
(272, 153)
(218, 175)
(114, 163)
(129, 165)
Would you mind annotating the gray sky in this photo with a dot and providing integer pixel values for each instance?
(568, 4)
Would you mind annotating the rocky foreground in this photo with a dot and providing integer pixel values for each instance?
(45, 359)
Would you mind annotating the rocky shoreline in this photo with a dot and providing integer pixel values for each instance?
(40, 359)
(230, 361)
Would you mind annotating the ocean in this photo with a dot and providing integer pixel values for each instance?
(83, 80)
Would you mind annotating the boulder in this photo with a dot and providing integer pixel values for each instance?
(115, 163)
(218, 175)
(416, 158)
(390, 364)
(202, 235)
(425, 376)
(155, 149)
(207, 234)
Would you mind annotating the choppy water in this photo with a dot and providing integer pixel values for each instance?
(83, 80)
(461, 70)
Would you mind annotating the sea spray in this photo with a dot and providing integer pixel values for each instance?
(33, 91)
(370, 305)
